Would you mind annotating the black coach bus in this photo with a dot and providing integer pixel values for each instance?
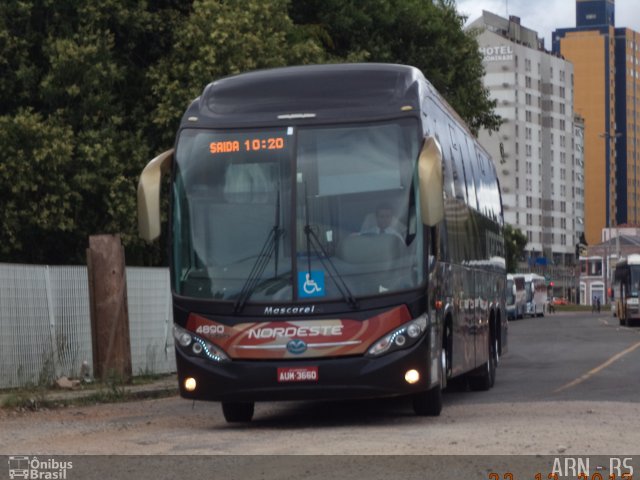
(335, 232)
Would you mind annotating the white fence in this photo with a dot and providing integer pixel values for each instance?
(45, 327)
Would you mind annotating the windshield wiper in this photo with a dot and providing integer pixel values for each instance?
(270, 246)
(327, 263)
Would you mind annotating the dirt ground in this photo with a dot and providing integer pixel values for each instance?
(176, 426)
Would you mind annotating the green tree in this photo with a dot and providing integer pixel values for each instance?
(37, 200)
(514, 242)
(73, 79)
(90, 91)
(220, 39)
(427, 34)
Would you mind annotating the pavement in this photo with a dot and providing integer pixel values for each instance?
(94, 392)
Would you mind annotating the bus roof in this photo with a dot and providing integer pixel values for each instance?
(323, 92)
(533, 276)
(632, 259)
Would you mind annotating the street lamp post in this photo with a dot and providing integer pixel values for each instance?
(610, 206)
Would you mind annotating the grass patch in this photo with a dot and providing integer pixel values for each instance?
(112, 390)
(26, 399)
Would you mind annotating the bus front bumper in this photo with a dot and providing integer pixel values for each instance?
(335, 378)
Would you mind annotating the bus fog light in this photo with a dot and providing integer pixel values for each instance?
(189, 384)
(197, 348)
(412, 376)
(400, 340)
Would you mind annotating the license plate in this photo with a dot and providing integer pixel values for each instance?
(298, 374)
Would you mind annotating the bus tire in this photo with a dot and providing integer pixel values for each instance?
(429, 402)
(484, 377)
(237, 412)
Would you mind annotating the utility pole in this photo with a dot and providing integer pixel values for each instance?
(108, 308)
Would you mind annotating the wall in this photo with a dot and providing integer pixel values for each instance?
(45, 323)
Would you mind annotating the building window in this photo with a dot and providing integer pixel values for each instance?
(595, 268)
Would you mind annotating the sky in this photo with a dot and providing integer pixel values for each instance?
(544, 16)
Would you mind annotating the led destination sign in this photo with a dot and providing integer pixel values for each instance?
(247, 145)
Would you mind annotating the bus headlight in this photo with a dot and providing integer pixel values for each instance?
(402, 337)
(195, 346)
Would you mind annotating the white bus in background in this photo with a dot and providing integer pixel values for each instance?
(535, 287)
(626, 286)
(516, 298)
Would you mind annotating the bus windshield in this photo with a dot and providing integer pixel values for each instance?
(635, 280)
(295, 213)
(529, 290)
(511, 297)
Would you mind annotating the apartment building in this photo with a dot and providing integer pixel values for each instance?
(539, 148)
(606, 63)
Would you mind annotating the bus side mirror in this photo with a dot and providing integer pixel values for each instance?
(431, 184)
(149, 196)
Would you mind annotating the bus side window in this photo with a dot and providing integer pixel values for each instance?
(455, 158)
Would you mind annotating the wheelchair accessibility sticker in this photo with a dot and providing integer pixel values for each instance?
(311, 284)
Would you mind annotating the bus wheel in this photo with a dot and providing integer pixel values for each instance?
(235, 412)
(429, 403)
(484, 377)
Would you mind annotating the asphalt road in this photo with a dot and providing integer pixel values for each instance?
(568, 356)
(568, 386)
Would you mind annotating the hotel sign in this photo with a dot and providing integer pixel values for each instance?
(497, 53)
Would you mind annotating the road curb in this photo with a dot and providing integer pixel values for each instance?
(98, 393)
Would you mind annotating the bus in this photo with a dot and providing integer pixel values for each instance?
(536, 294)
(281, 289)
(626, 284)
(515, 297)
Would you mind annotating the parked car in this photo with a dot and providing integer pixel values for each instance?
(559, 301)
